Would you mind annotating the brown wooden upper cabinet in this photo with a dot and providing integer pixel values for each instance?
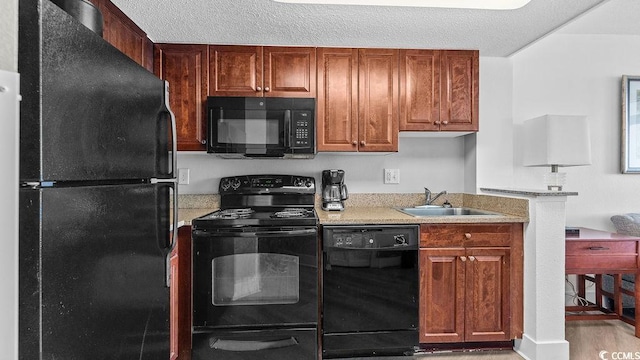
(357, 100)
(262, 71)
(124, 34)
(185, 67)
(439, 90)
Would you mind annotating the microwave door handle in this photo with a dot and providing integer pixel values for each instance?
(287, 129)
(214, 125)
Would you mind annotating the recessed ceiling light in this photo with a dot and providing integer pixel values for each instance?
(461, 4)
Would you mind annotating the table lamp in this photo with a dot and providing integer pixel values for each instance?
(557, 140)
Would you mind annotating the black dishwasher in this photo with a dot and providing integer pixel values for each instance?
(370, 290)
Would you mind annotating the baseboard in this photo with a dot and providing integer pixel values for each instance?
(530, 349)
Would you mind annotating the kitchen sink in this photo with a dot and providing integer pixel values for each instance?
(420, 211)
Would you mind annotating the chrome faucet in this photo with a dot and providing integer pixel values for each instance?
(428, 199)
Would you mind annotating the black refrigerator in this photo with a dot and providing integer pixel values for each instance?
(97, 164)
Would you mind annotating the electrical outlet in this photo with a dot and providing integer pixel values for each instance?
(392, 176)
(183, 176)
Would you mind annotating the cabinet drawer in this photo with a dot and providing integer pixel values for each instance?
(465, 235)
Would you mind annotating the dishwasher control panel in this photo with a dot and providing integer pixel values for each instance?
(370, 237)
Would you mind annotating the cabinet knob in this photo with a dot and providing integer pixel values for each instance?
(362, 143)
(203, 142)
(354, 143)
(258, 88)
(467, 235)
(445, 122)
(472, 258)
(463, 258)
(437, 122)
(267, 89)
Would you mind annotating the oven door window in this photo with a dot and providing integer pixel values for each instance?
(255, 279)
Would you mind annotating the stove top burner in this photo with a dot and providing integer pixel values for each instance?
(257, 217)
(292, 213)
(233, 214)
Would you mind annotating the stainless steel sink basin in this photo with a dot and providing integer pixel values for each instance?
(420, 211)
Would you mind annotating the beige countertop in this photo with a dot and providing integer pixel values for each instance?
(388, 215)
(186, 215)
(380, 209)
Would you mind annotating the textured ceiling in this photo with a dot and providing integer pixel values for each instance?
(266, 22)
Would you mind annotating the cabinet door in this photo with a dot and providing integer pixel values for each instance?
(442, 295)
(235, 70)
(124, 34)
(487, 294)
(337, 107)
(180, 293)
(289, 71)
(459, 90)
(378, 100)
(419, 90)
(185, 67)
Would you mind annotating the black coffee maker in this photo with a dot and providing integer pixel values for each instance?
(334, 191)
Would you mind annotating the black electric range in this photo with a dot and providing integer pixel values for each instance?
(255, 271)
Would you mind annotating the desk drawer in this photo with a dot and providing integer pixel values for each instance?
(601, 248)
(602, 255)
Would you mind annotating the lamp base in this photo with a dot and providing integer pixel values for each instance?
(555, 180)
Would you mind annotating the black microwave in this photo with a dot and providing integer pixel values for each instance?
(252, 127)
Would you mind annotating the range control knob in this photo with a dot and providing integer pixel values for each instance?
(235, 183)
(308, 183)
(225, 184)
(298, 182)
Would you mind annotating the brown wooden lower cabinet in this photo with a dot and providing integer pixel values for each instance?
(180, 293)
(470, 293)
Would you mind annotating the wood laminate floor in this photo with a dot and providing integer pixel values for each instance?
(587, 339)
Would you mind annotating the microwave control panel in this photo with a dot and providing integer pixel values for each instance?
(303, 131)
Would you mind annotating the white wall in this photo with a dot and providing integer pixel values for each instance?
(494, 143)
(9, 182)
(9, 35)
(9, 108)
(436, 163)
(581, 75)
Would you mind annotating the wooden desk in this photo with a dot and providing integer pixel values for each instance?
(601, 252)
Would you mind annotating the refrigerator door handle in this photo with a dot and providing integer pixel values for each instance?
(173, 183)
(174, 165)
(172, 180)
(174, 132)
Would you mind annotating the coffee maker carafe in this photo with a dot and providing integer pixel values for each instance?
(334, 191)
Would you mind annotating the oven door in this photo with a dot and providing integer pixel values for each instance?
(251, 132)
(255, 277)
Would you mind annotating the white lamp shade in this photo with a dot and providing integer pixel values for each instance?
(562, 140)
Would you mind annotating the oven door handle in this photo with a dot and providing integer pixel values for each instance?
(251, 345)
(274, 233)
